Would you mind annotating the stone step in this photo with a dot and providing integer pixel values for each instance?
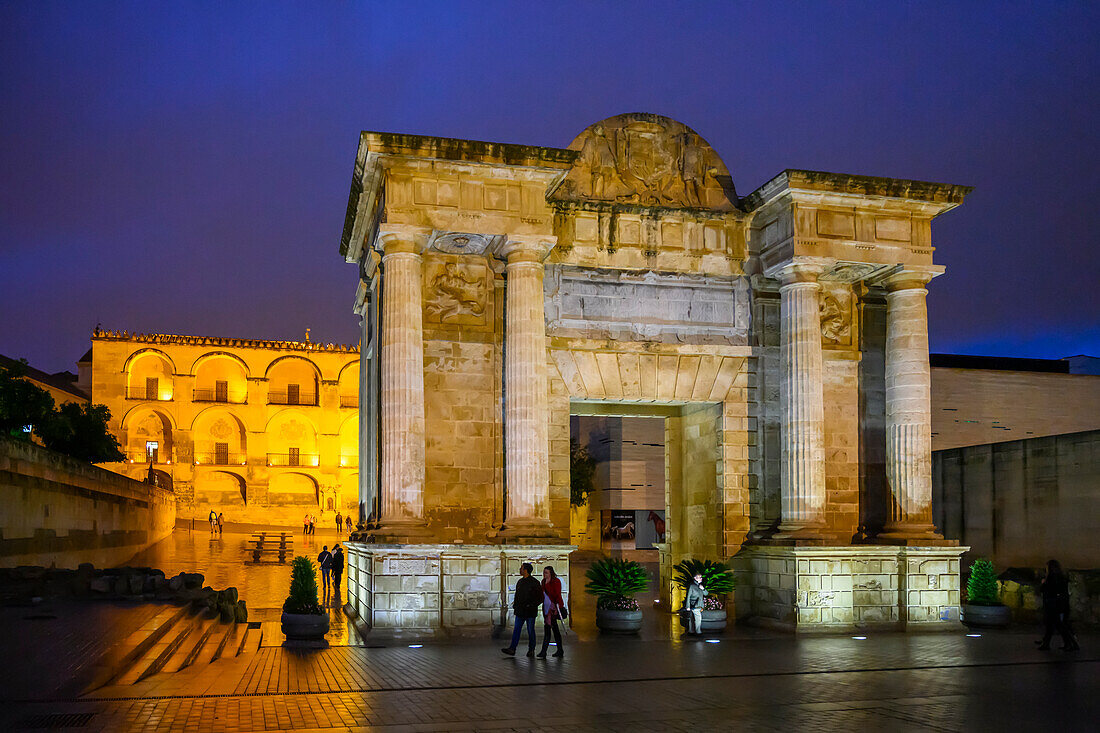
(159, 654)
(251, 639)
(187, 653)
(119, 661)
(226, 644)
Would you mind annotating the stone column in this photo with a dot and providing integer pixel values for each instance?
(526, 412)
(402, 393)
(802, 422)
(908, 409)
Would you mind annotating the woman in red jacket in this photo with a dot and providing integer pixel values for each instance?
(553, 608)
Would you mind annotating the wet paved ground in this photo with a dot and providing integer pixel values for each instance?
(749, 681)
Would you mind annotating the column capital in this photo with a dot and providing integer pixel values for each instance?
(398, 238)
(524, 248)
(909, 278)
(798, 271)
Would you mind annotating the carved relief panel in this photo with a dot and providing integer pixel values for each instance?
(457, 291)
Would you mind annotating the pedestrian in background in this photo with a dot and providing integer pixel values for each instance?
(347, 521)
(305, 524)
(337, 572)
(339, 522)
(213, 521)
(312, 524)
(221, 523)
(553, 608)
(324, 560)
(693, 604)
(525, 603)
(1055, 592)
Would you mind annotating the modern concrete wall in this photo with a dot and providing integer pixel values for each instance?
(1023, 502)
(979, 406)
(56, 510)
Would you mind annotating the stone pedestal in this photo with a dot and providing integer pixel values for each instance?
(850, 588)
(442, 589)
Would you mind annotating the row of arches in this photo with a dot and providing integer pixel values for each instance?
(225, 488)
(221, 376)
(221, 438)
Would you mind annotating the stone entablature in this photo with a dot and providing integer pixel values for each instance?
(784, 333)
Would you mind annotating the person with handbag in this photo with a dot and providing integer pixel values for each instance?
(526, 604)
(553, 608)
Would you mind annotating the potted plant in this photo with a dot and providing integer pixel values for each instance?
(303, 618)
(983, 605)
(718, 581)
(614, 583)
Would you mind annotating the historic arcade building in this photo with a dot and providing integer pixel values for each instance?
(781, 335)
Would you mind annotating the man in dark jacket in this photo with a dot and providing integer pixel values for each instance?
(526, 604)
(325, 561)
(337, 571)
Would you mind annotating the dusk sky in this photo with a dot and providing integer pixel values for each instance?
(184, 167)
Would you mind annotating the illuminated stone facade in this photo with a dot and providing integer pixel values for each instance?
(782, 336)
(262, 431)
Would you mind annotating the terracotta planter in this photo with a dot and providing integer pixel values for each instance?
(713, 620)
(988, 617)
(305, 626)
(618, 622)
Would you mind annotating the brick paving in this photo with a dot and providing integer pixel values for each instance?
(752, 680)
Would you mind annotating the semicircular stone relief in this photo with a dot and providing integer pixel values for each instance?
(647, 160)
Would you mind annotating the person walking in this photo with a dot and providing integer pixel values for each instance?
(693, 604)
(553, 608)
(339, 523)
(525, 603)
(305, 524)
(347, 523)
(221, 523)
(324, 560)
(213, 521)
(1055, 592)
(337, 571)
(312, 524)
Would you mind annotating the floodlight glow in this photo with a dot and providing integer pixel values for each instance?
(860, 638)
(713, 641)
(415, 646)
(975, 636)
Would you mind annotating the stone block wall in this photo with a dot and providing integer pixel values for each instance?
(1022, 502)
(56, 510)
(827, 589)
(442, 588)
(841, 395)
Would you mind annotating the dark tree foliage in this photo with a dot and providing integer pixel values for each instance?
(582, 469)
(75, 429)
(22, 403)
(982, 588)
(80, 430)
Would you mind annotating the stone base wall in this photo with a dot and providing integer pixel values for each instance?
(828, 589)
(56, 510)
(442, 588)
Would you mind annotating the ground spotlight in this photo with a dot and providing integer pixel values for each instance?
(713, 641)
(975, 636)
(415, 646)
(860, 638)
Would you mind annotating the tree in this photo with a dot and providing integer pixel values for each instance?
(80, 430)
(23, 404)
(982, 588)
(582, 469)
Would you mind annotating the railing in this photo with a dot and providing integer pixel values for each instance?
(210, 458)
(142, 393)
(283, 398)
(140, 456)
(211, 395)
(349, 400)
(293, 459)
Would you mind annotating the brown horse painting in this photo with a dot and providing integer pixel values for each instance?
(658, 525)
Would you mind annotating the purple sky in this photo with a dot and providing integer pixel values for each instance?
(184, 167)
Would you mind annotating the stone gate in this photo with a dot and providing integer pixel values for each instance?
(503, 286)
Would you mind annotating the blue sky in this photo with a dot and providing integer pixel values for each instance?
(184, 167)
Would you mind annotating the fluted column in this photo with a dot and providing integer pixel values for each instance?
(402, 398)
(526, 412)
(802, 426)
(908, 409)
